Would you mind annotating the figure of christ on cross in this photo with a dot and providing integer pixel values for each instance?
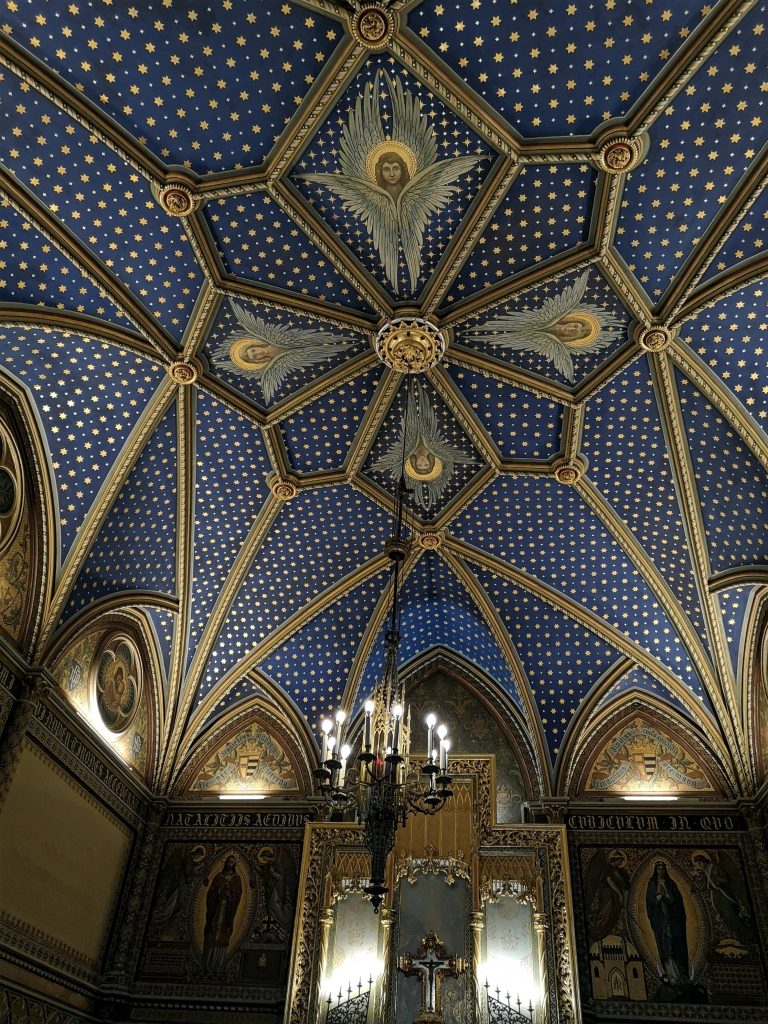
(431, 963)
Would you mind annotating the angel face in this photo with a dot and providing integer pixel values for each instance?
(391, 173)
(423, 464)
(576, 329)
(253, 353)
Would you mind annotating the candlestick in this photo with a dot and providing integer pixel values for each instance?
(340, 719)
(326, 725)
(431, 722)
(346, 750)
(369, 708)
(397, 712)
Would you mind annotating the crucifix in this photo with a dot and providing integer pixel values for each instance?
(431, 963)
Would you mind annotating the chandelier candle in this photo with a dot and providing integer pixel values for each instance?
(383, 788)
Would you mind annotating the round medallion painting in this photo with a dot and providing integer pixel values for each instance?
(118, 683)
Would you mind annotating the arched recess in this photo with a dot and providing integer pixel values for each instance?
(253, 748)
(488, 720)
(108, 668)
(754, 683)
(640, 745)
(27, 520)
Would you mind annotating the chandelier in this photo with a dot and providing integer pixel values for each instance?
(381, 783)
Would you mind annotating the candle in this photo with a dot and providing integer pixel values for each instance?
(340, 718)
(345, 752)
(431, 723)
(369, 706)
(444, 748)
(397, 713)
(326, 725)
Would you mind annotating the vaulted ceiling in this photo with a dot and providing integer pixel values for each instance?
(575, 198)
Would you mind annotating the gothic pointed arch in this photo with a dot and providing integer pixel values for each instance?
(109, 670)
(254, 748)
(639, 745)
(754, 682)
(27, 518)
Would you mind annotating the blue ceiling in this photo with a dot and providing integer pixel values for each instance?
(500, 222)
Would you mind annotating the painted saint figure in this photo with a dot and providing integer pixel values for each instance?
(390, 176)
(729, 897)
(563, 326)
(429, 458)
(666, 912)
(606, 886)
(271, 351)
(221, 905)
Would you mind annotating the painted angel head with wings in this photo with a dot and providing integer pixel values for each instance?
(391, 179)
(562, 327)
(270, 352)
(422, 452)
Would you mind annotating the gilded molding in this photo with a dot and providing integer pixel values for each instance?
(658, 586)
(509, 374)
(500, 634)
(572, 431)
(156, 408)
(682, 472)
(699, 48)
(465, 240)
(375, 623)
(89, 266)
(460, 408)
(624, 283)
(269, 512)
(332, 248)
(713, 390)
(550, 840)
(368, 430)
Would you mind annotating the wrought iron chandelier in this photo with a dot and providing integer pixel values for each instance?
(382, 785)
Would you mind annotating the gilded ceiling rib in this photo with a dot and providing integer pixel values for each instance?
(201, 320)
(289, 303)
(331, 246)
(454, 93)
(509, 373)
(75, 105)
(503, 639)
(43, 318)
(606, 211)
(480, 212)
(68, 244)
(746, 575)
(278, 457)
(658, 586)
(710, 292)
(156, 409)
(580, 256)
(375, 623)
(751, 673)
(284, 632)
(462, 412)
(185, 530)
(348, 62)
(264, 521)
(586, 709)
(729, 408)
(579, 613)
(676, 74)
(377, 410)
(625, 285)
(343, 374)
(682, 473)
(572, 431)
(465, 497)
(716, 234)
